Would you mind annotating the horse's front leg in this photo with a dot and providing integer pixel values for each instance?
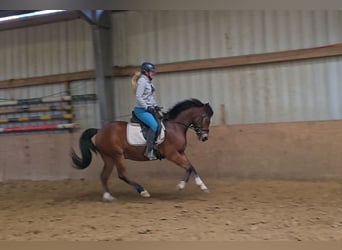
(199, 181)
(188, 170)
(182, 161)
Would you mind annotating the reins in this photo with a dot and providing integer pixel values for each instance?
(192, 126)
(186, 126)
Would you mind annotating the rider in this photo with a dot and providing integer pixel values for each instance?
(146, 105)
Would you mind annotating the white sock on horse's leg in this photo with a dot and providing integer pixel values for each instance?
(200, 183)
(145, 194)
(181, 185)
(108, 197)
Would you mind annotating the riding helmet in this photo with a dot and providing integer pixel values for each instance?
(147, 66)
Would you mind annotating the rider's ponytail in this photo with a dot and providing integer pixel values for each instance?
(134, 81)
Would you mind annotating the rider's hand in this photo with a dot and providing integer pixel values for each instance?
(150, 109)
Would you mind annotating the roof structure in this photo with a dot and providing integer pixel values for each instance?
(35, 20)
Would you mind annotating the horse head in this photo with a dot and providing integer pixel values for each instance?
(201, 122)
(196, 116)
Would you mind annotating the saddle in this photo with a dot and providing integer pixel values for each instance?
(136, 131)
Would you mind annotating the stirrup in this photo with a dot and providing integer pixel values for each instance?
(150, 155)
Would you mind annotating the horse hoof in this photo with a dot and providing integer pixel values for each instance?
(205, 190)
(107, 197)
(145, 194)
(181, 185)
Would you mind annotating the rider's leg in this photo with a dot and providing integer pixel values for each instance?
(150, 145)
(151, 137)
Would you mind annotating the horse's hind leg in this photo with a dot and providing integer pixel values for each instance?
(122, 175)
(105, 174)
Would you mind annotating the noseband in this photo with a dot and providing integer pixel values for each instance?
(198, 130)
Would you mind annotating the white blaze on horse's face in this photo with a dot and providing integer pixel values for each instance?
(204, 137)
(203, 131)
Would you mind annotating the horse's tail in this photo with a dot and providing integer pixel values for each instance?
(85, 146)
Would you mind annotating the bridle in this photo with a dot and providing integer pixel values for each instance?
(199, 130)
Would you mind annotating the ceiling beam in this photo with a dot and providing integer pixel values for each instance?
(213, 63)
(39, 20)
(244, 60)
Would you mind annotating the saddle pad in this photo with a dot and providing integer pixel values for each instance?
(136, 138)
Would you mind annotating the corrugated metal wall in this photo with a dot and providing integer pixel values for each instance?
(56, 48)
(169, 36)
(292, 91)
(46, 49)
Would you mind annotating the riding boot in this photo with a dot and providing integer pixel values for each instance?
(150, 145)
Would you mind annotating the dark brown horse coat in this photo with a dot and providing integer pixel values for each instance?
(111, 143)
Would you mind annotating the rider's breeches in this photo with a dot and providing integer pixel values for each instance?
(147, 118)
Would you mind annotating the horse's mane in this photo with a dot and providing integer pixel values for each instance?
(184, 105)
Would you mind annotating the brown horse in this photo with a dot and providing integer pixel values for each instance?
(111, 143)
